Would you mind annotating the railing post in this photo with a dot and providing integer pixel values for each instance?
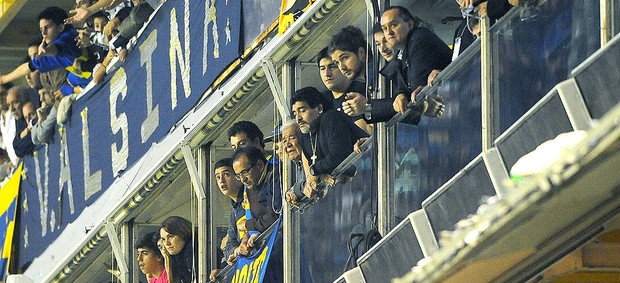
(201, 219)
(486, 81)
(384, 147)
(290, 221)
(606, 21)
(117, 250)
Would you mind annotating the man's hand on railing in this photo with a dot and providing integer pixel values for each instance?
(357, 147)
(433, 106)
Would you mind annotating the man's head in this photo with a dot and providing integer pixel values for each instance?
(290, 141)
(396, 23)
(331, 76)
(307, 105)
(16, 98)
(245, 133)
(29, 112)
(51, 23)
(348, 51)
(249, 164)
(225, 178)
(386, 51)
(150, 260)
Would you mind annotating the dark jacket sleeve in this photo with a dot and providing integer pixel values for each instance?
(232, 243)
(23, 146)
(497, 9)
(339, 138)
(263, 203)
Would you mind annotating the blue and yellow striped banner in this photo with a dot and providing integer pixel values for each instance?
(8, 207)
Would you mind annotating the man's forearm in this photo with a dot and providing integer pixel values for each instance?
(19, 72)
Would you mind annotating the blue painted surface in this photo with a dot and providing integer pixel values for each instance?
(134, 106)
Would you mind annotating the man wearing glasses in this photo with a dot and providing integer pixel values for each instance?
(263, 195)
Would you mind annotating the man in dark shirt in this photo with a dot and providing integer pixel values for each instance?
(420, 53)
(338, 85)
(327, 136)
(232, 188)
(18, 101)
(264, 197)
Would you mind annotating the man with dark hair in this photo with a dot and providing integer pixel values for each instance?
(150, 259)
(58, 49)
(338, 85)
(232, 188)
(327, 135)
(348, 49)
(421, 52)
(245, 133)
(263, 195)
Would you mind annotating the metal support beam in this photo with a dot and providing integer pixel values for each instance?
(487, 99)
(291, 233)
(606, 21)
(202, 213)
(276, 90)
(118, 251)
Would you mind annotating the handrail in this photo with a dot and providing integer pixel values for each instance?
(336, 174)
(462, 60)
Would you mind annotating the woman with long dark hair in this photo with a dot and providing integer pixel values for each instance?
(177, 241)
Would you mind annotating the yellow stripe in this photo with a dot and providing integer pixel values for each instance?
(8, 193)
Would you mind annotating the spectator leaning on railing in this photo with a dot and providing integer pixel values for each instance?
(327, 136)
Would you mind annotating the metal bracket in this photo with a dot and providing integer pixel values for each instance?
(117, 250)
(276, 90)
(193, 172)
(574, 105)
(200, 192)
(497, 170)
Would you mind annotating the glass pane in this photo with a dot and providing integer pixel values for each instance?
(328, 224)
(537, 48)
(429, 154)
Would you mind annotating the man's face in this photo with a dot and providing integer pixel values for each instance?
(386, 51)
(149, 261)
(331, 76)
(14, 105)
(305, 116)
(291, 144)
(34, 79)
(172, 243)
(49, 30)
(351, 64)
(241, 140)
(225, 178)
(249, 174)
(395, 29)
(29, 112)
(46, 97)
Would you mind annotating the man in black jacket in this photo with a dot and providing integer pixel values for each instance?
(327, 136)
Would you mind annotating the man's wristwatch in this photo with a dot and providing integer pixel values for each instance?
(368, 111)
(312, 170)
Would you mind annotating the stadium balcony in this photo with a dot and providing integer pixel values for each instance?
(141, 146)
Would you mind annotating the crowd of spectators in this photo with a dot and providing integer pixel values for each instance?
(327, 127)
(71, 53)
